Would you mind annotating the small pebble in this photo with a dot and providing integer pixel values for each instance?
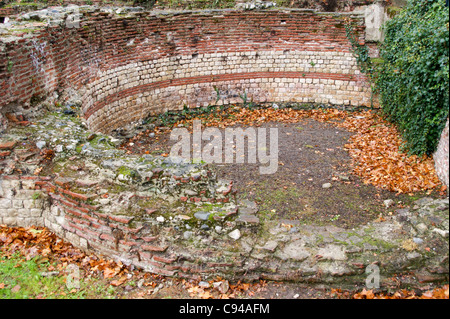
(160, 219)
(235, 234)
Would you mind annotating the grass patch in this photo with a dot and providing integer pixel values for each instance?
(24, 279)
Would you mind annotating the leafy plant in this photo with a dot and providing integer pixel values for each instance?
(9, 66)
(217, 93)
(36, 195)
(335, 218)
(360, 51)
(24, 278)
(245, 101)
(413, 79)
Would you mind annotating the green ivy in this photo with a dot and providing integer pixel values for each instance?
(361, 52)
(413, 79)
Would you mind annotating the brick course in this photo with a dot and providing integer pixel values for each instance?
(147, 62)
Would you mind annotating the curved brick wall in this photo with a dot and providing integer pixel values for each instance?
(146, 62)
(128, 66)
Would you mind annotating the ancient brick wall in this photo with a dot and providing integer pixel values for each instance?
(312, 255)
(53, 203)
(129, 66)
(146, 62)
(441, 157)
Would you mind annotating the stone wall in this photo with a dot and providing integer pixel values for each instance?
(128, 66)
(441, 157)
(72, 215)
(305, 253)
(21, 202)
(148, 62)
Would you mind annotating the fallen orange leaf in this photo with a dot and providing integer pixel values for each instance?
(109, 273)
(116, 283)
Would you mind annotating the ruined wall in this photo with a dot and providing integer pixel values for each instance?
(71, 217)
(441, 157)
(57, 204)
(147, 62)
(127, 66)
(310, 254)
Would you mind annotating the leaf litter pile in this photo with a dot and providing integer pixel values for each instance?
(45, 246)
(40, 243)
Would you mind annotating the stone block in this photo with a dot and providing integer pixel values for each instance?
(10, 221)
(5, 203)
(441, 157)
(17, 203)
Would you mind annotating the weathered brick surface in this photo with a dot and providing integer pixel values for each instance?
(150, 63)
(85, 225)
(441, 157)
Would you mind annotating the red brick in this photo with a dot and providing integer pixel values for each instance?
(133, 230)
(121, 219)
(30, 178)
(128, 243)
(90, 207)
(11, 177)
(172, 267)
(8, 145)
(166, 260)
(149, 238)
(86, 216)
(63, 182)
(144, 255)
(104, 236)
(83, 197)
(163, 272)
(73, 212)
(154, 248)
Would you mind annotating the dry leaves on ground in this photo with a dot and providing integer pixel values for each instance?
(437, 293)
(375, 147)
(378, 159)
(39, 242)
(222, 289)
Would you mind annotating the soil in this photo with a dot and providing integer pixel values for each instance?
(271, 290)
(177, 289)
(311, 154)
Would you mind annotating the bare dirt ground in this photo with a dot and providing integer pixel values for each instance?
(311, 155)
